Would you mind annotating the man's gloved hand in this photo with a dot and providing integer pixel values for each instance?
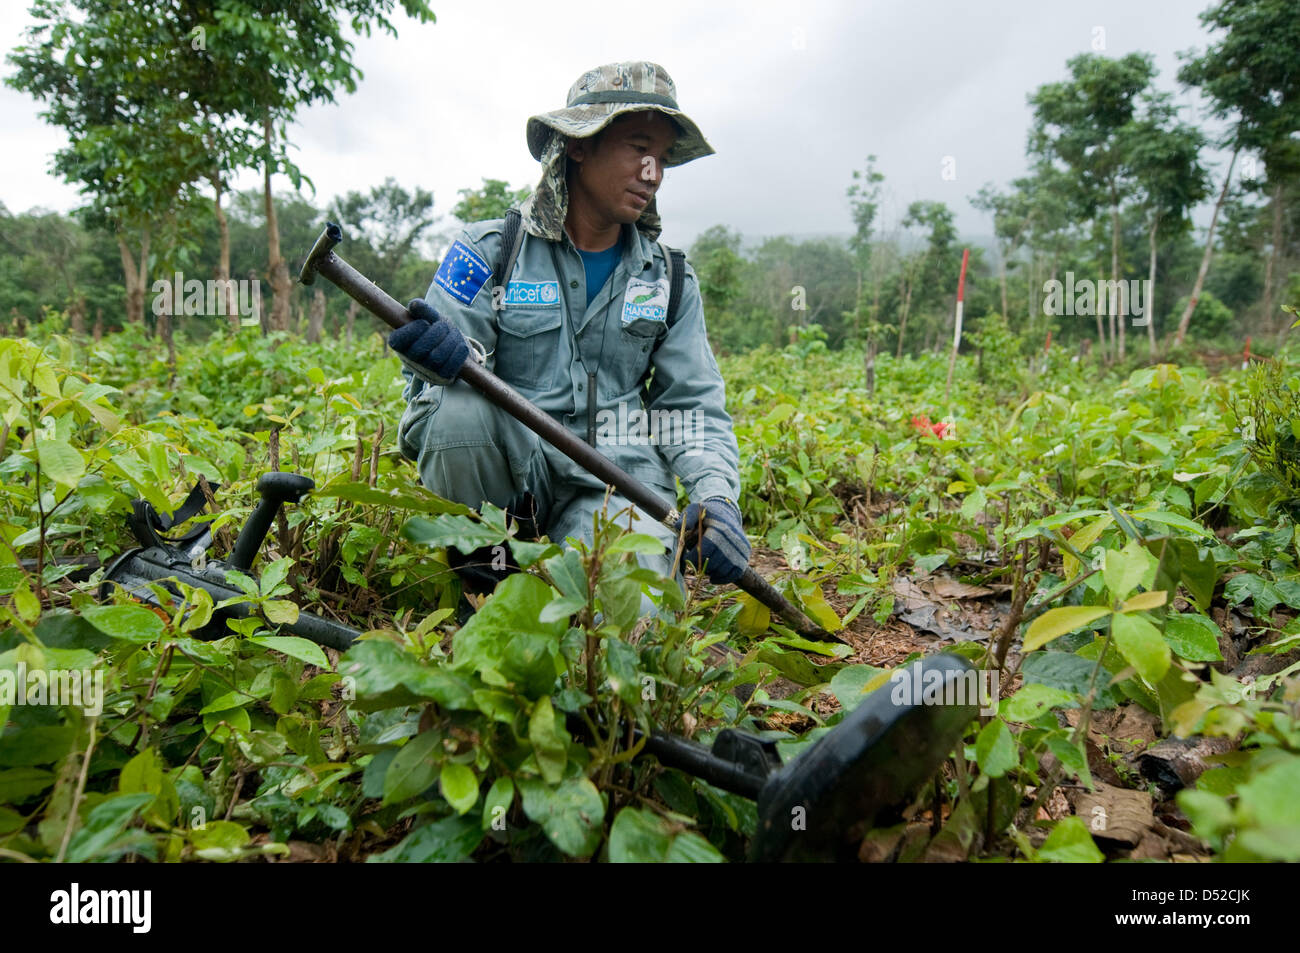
(430, 343)
(724, 550)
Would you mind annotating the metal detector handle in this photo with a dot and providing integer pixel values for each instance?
(322, 260)
(276, 489)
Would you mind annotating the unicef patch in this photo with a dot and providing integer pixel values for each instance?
(462, 273)
(645, 301)
(544, 294)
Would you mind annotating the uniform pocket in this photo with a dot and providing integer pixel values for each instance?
(636, 344)
(527, 349)
(415, 419)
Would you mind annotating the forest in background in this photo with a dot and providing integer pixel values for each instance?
(1115, 174)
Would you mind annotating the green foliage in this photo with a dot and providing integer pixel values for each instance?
(488, 202)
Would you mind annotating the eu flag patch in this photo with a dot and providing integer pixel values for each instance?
(462, 273)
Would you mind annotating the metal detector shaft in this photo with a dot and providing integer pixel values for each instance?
(322, 260)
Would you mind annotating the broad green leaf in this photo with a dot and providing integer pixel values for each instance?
(1142, 646)
(128, 623)
(640, 543)
(1082, 541)
(1145, 601)
(1193, 637)
(1070, 843)
(497, 803)
(1123, 570)
(995, 749)
(280, 611)
(448, 841)
(225, 835)
(549, 741)
(462, 532)
(1032, 700)
(383, 674)
(414, 497)
(18, 784)
(753, 618)
(639, 836)
(848, 685)
(572, 815)
(459, 786)
(1070, 755)
(505, 642)
(104, 825)
(412, 769)
(295, 647)
(60, 461)
(1054, 623)
(142, 774)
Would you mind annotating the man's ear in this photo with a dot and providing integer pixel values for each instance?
(576, 149)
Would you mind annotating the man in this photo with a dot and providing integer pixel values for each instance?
(582, 312)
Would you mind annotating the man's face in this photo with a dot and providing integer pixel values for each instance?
(616, 174)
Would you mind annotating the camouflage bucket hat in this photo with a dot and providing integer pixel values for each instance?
(609, 91)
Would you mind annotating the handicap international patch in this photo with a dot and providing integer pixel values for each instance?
(545, 294)
(462, 273)
(645, 301)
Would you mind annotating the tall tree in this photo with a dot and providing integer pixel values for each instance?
(1079, 122)
(390, 222)
(489, 201)
(863, 194)
(1013, 216)
(930, 269)
(1164, 156)
(265, 62)
(104, 71)
(1251, 76)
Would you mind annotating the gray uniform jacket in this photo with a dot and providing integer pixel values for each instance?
(660, 397)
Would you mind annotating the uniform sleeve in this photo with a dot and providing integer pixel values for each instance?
(686, 379)
(461, 292)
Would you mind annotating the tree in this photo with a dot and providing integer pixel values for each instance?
(389, 222)
(1013, 215)
(1079, 122)
(863, 194)
(270, 61)
(1164, 157)
(488, 202)
(1251, 78)
(104, 71)
(930, 269)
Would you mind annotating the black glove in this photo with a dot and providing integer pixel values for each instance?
(430, 344)
(723, 550)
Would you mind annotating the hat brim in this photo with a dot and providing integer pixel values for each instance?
(579, 122)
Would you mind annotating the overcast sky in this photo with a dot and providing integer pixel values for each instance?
(793, 95)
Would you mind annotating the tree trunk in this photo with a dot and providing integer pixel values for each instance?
(278, 271)
(259, 308)
(351, 319)
(223, 259)
(1115, 317)
(133, 275)
(97, 332)
(316, 321)
(1186, 318)
(1002, 277)
(1151, 289)
(1270, 267)
(77, 316)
